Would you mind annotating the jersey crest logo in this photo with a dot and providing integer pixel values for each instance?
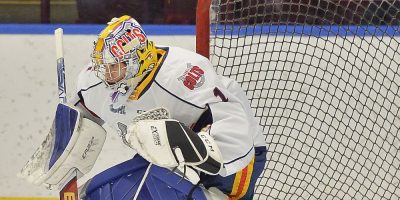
(193, 77)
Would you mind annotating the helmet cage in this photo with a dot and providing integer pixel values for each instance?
(113, 70)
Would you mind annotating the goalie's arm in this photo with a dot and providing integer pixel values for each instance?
(169, 143)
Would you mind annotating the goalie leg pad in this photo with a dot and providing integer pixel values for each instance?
(72, 143)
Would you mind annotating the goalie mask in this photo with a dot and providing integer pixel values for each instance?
(122, 53)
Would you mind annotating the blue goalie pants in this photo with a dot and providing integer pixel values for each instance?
(122, 182)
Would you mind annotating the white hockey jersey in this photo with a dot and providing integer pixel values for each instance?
(186, 84)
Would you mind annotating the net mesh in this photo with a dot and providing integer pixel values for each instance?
(323, 81)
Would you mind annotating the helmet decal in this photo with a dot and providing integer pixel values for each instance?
(147, 57)
(116, 52)
(126, 39)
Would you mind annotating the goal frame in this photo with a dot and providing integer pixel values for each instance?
(203, 28)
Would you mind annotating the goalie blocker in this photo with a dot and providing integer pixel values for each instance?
(169, 143)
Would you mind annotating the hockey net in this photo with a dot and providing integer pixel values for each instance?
(323, 80)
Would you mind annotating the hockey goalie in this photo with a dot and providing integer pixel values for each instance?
(193, 130)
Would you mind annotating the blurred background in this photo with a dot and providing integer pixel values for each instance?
(183, 11)
(97, 11)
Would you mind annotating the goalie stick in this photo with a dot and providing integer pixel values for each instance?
(70, 189)
(62, 93)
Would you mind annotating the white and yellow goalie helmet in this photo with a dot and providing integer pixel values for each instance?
(122, 52)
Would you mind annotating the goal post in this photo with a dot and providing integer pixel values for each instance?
(323, 80)
(203, 27)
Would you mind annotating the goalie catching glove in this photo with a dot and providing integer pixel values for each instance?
(169, 143)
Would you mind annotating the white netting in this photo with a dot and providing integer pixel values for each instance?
(323, 81)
